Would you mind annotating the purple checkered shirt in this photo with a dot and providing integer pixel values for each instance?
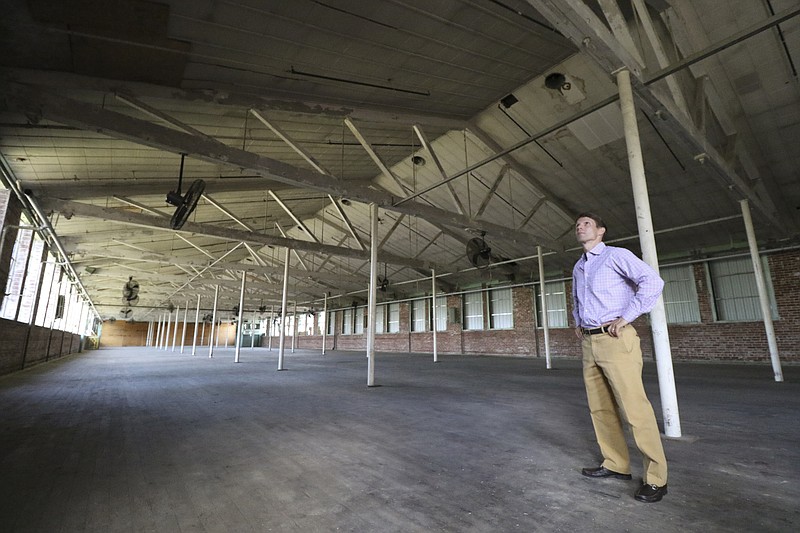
(610, 282)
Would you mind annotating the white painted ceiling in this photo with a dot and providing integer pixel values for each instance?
(101, 98)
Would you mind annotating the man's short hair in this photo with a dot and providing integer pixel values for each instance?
(597, 219)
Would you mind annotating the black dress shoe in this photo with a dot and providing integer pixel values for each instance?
(602, 471)
(650, 493)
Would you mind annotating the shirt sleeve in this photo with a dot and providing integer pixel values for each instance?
(646, 283)
(575, 317)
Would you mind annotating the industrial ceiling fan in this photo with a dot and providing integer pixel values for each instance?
(186, 203)
(478, 252)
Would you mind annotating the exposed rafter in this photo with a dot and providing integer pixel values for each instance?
(72, 112)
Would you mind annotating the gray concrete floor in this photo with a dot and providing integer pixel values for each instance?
(145, 440)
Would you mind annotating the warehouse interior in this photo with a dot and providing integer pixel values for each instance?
(242, 178)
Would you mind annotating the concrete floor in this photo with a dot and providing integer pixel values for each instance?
(145, 440)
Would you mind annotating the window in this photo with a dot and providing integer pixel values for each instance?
(680, 295)
(380, 318)
(441, 313)
(44, 294)
(332, 323)
(733, 283)
(31, 281)
(394, 318)
(321, 322)
(16, 274)
(419, 315)
(556, 299)
(347, 321)
(359, 324)
(501, 309)
(473, 310)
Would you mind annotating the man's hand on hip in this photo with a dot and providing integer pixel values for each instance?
(615, 326)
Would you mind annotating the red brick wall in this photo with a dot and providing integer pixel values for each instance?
(15, 354)
(707, 340)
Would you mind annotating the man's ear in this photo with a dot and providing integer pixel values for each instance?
(602, 231)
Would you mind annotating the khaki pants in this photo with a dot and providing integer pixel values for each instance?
(612, 373)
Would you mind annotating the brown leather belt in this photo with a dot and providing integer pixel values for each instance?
(595, 331)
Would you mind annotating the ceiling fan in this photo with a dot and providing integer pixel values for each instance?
(478, 252)
(186, 203)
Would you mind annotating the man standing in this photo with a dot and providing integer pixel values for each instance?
(611, 288)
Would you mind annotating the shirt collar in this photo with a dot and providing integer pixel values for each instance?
(597, 250)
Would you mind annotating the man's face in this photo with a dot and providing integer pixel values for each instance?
(586, 231)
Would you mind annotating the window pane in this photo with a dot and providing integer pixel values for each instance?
(473, 310)
(735, 290)
(380, 318)
(347, 322)
(441, 313)
(394, 318)
(359, 321)
(556, 300)
(418, 315)
(16, 273)
(332, 323)
(501, 307)
(44, 294)
(680, 295)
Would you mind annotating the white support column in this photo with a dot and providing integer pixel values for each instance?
(433, 314)
(160, 330)
(325, 323)
(240, 321)
(196, 320)
(168, 320)
(147, 337)
(545, 325)
(371, 306)
(252, 333)
(175, 333)
(269, 327)
(294, 324)
(658, 315)
(202, 332)
(284, 297)
(213, 322)
(763, 298)
(185, 316)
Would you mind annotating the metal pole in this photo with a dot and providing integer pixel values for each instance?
(763, 299)
(282, 338)
(147, 336)
(240, 325)
(196, 320)
(202, 332)
(294, 324)
(269, 325)
(158, 332)
(185, 316)
(433, 314)
(169, 328)
(371, 305)
(325, 323)
(545, 322)
(213, 323)
(175, 333)
(658, 315)
(252, 332)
